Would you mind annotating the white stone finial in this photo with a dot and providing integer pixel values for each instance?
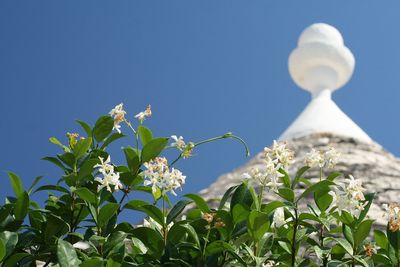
(321, 64)
(321, 61)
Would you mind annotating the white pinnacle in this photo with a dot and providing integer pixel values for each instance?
(321, 64)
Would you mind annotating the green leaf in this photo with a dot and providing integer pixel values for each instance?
(35, 181)
(106, 212)
(55, 161)
(308, 217)
(9, 240)
(132, 159)
(16, 183)
(145, 134)
(200, 202)
(135, 204)
(86, 195)
(177, 210)
(254, 195)
(239, 213)
(114, 240)
(81, 147)
(242, 196)
(217, 247)
(226, 196)
(86, 127)
(21, 206)
(332, 176)
(192, 233)
(92, 262)
(87, 168)
(153, 148)
(348, 234)
(57, 142)
(322, 185)
(286, 193)
(362, 231)
(258, 224)
(103, 128)
(152, 211)
(380, 239)
(345, 244)
(55, 227)
(394, 239)
(271, 206)
(299, 175)
(66, 254)
(151, 239)
(323, 199)
(112, 138)
(2, 250)
(52, 187)
(368, 198)
(68, 158)
(14, 259)
(285, 178)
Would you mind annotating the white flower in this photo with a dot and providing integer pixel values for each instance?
(109, 176)
(104, 166)
(179, 143)
(280, 153)
(314, 158)
(331, 157)
(118, 114)
(141, 116)
(355, 189)
(159, 176)
(278, 218)
(272, 174)
(322, 159)
(349, 197)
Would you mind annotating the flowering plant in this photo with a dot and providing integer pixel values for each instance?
(306, 224)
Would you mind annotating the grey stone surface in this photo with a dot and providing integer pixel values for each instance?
(378, 169)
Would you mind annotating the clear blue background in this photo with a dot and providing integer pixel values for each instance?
(206, 67)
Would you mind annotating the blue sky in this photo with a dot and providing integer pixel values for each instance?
(206, 67)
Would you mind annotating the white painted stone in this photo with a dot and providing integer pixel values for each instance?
(322, 64)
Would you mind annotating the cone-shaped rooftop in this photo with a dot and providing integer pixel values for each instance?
(321, 64)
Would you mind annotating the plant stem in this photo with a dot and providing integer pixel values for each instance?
(126, 191)
(205, 243)
(294, 237)
(165, 227)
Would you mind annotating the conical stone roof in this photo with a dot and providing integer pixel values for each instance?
(322, 64)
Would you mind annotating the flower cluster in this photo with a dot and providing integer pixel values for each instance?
(210, 217)
(274, 159)
(322, 159)
(118, 114)
(393, 214)
(349, 197)
(160, 176)
(179, 143)
(141, 116)
(110, 177)
(279, 153)
(72, 139)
